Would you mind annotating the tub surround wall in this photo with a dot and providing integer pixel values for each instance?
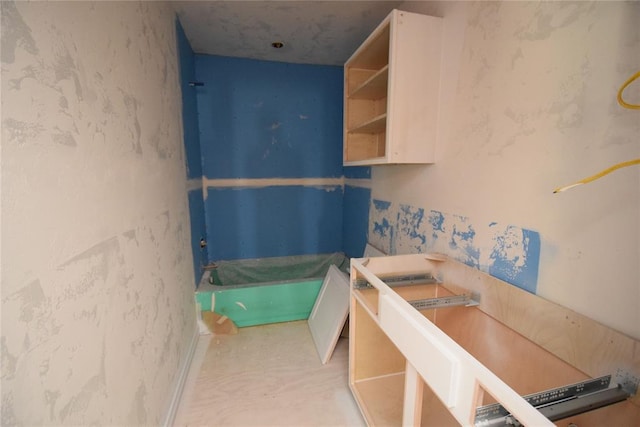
(264, 119)
(274, 221)
(527, 104)
(270, 137)
(193, 156)
(97, 283)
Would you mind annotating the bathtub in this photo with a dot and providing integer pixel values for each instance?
(266, 290)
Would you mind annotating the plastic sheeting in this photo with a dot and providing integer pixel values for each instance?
(276, 269)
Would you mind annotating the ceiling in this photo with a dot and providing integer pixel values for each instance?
(313, 32)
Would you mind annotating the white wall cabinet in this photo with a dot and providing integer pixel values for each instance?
(391, 86)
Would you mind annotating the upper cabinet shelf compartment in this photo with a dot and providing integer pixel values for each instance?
(391, 88)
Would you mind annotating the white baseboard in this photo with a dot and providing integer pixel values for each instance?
(179, 383)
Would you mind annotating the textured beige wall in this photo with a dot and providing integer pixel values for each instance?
(97, 284)
(528, 104)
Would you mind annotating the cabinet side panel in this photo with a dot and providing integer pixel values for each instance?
(374, 354)
(414, 80)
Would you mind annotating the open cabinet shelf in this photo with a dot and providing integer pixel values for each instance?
(375, 87)
(373, 126)
(392, 92)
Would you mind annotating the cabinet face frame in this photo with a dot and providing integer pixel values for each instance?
(391, 93)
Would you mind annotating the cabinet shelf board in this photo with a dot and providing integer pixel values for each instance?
(375, 87)
(367, 161)
(373, 126)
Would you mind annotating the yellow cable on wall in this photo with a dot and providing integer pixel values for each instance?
(598, 175)
(616, 166)
(622, 88)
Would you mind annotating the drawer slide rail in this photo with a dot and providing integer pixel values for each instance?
(559, 403)
(402, 280)
(442, 302)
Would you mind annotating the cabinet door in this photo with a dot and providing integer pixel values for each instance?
(330, 312)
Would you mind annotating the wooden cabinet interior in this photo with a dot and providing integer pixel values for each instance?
(392, 81)
(366, 81)
(379, 370)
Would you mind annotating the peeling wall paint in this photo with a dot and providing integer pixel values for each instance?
(508, 252)
(97, 280)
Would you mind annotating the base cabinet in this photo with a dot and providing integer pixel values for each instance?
(436, 366)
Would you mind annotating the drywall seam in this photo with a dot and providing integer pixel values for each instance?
(181, 379)
(354, 182)
(270, 182)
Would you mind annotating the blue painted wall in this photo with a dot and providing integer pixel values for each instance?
(261, 119)
(357, 172)
(189, 105)
(355, 214)
(274, 221)
(193, 157)
(355, 217)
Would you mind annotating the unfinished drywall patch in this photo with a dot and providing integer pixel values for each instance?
(15, 33)
(97, 281)
(508, 252)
